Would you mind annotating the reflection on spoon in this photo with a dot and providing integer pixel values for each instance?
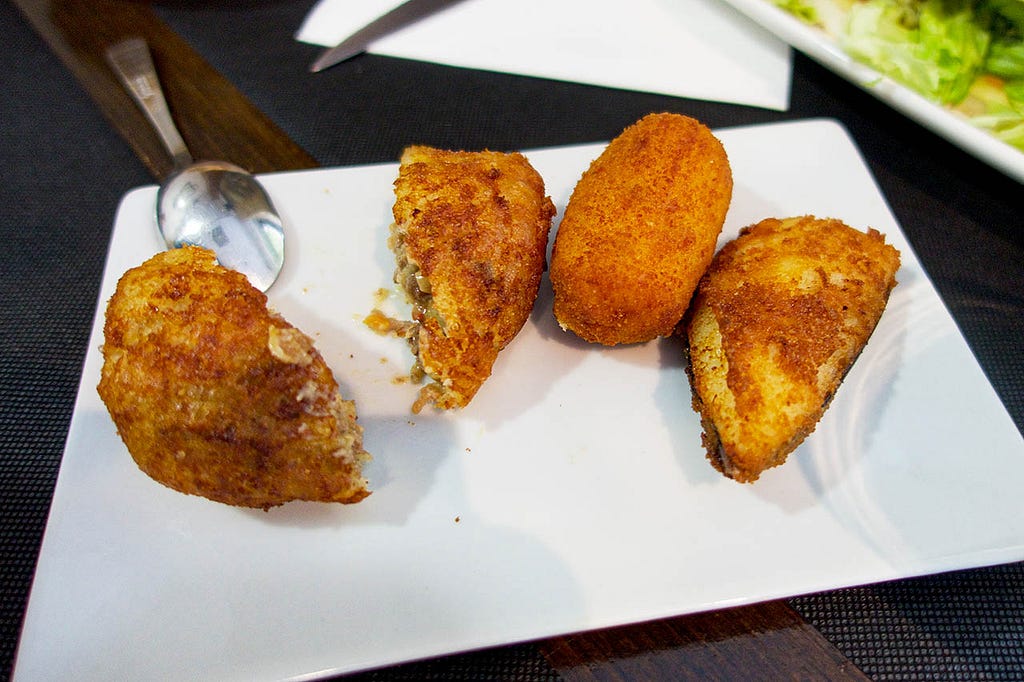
(212, 204)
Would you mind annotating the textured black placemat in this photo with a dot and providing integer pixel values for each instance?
(967, 625)
(62, 172)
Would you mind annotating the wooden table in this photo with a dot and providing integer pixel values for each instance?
(764, 641)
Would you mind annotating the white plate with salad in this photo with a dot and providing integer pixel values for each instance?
(955, 66)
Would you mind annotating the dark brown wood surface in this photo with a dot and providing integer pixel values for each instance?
(760, 642)
(763, 641)
(215, 119)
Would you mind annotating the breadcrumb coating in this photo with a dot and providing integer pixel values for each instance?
(639, 231)
(216, 396)
(470, 237)
(778, 320)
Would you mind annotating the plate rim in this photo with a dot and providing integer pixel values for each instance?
(822, 48)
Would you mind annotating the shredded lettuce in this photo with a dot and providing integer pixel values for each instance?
(1006, 55)
(802, 9)
(965, 54)
(998, 107)
(933, 47)
(1006, 60)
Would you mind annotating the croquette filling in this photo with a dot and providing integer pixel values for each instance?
(418, 291)
(408, 275)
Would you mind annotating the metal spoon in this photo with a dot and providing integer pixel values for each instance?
(213, 204)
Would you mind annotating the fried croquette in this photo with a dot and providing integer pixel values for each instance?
(216, 396)
(470, 236)
(776, 323)
(639, 230)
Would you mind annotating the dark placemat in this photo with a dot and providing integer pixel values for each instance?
(967, 625)
(63, 172)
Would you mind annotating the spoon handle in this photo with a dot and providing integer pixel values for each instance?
(133, 65)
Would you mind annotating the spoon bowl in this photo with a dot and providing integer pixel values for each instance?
(221, 207)
(212, 204)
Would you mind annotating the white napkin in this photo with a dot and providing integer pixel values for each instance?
(701, 49)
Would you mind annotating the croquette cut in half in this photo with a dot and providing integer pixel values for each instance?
(639, 230)
(216, 396)
(777, 322)
(470, 237)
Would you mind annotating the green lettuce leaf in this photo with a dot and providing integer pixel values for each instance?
(933, 47)
(802, 9)
(965, 54)
(1006, 55)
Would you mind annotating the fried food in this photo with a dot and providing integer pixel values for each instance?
(470, 235)
(639, 231)
(216, 396)
(778, 320)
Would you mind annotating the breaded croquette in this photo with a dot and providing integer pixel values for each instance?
(216, 396)
(470, 236)
(639, 231)
(778, 320)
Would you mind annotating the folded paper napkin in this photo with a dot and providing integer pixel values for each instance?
(701, 49)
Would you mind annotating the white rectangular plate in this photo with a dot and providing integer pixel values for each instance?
(822, 48)
(572, 493)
